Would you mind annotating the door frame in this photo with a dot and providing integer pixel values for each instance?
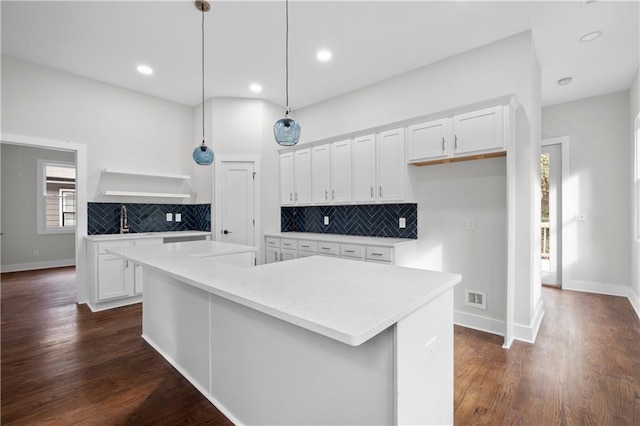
(217, 194)
(81, 197)
(568, 206)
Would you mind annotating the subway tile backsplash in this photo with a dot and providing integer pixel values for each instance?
(104, 218)
(375, 220)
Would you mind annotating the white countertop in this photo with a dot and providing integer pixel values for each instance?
(345, 300)
(136, 235)
(340, 238)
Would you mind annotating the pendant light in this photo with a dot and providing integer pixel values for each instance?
(203, 155)
(287, 130)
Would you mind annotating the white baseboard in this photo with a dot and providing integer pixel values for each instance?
(31, 266)
(195, 384)
(112, 304)
(635, 301)
(528, 333)
(604, 288)
(477, 322)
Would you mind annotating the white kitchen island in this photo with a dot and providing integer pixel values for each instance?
(315, 340)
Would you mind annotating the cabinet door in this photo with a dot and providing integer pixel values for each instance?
(341, 172)
(320, 174)
(138, 279)
(288, 254)
(302, 176)
(271, 254)
(428, 140)
(115, 277)
(363, 150)
(478, 131)
(392, 166)
(286, 179)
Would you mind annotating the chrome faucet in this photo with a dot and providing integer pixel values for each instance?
(124, 223)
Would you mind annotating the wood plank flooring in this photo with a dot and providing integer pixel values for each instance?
(62, 364)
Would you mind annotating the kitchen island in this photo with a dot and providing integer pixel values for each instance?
(315, 340)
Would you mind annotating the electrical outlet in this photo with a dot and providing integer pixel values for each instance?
(326, 220)
(169, 217)
(430, 351)
(36, 253)
(178, 217)
(402, 223)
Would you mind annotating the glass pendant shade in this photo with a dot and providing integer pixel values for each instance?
(203, 155)
(286, 131)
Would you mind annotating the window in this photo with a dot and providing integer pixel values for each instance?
(56, 197)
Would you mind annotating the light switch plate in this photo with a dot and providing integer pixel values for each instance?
(178, 217)
(326, 220)
(402, 223)
(169, 217)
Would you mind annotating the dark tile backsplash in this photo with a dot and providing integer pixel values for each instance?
(374, 220)
(104, 218)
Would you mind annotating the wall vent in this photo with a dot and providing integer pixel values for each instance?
(475, 298)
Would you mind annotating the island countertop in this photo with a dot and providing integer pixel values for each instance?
(345, 300)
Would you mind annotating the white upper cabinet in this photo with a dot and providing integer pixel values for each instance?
(392, 166)
(286, 179)
(478, 130)
(302, 176)
(363, 150)
(320, 174)
(341, 172)
(429, 140)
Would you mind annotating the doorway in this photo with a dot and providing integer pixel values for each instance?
(237, 198)
(551, 214)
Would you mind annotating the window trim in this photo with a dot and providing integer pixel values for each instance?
(41, 217)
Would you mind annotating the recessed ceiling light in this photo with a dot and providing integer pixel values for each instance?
(323, 55)
(255, 88)
(590, 36)
(144, 69)
(564, 81)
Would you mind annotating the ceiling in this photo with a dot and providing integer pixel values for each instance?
(370, 41)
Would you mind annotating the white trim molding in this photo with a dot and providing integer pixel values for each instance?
(606, 289)
(528, 333)
(32, 266)
(480, 323)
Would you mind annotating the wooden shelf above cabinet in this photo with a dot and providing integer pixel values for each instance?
(145, 194)
(458, 159)
(146, 174)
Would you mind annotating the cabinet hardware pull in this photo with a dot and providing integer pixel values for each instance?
(296, 197)
(376, 254)
(380, 191)
(372, 192)
(326, 194)
(290, 196)
(333, 194)
(325, 248)
(349, 251)
(443, 143)
(455, 142)
(305, 246)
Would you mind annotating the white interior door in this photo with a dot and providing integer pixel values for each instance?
(237, 206)
(551, 231)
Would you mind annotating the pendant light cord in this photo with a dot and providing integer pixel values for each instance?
(202, 75)
(287, 57)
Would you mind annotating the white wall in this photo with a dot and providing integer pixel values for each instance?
(121, 128)
(241, 127)
(19, 195)
(634, 110)
(598, 129)
(506, 67)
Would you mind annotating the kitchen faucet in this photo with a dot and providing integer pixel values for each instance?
(124, 223)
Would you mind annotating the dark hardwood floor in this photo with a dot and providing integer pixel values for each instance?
(62, 364)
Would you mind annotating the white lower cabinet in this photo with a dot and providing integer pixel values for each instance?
(115, 277)
(390, 251)
(113, 281)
